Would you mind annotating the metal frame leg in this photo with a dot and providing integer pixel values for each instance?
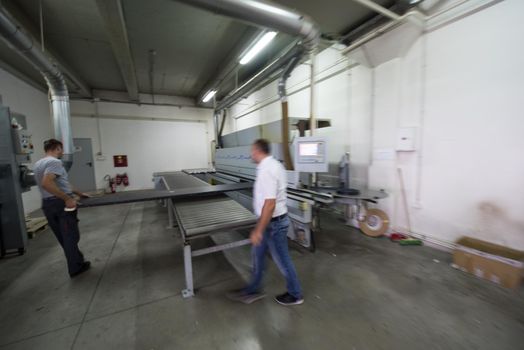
(170, 213)
(188, 268)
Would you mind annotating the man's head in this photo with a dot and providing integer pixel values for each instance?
(53, 147)
(260, 149)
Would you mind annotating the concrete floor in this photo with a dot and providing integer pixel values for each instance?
(361, 293)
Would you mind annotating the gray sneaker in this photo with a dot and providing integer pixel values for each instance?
(242, 296)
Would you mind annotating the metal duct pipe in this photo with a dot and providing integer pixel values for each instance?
(222, 124)
(265, 14)
(58, 92)
(296, 52)
(285, 116)
(215, 127)
(312, 121)
(268, 15)
(285, 75)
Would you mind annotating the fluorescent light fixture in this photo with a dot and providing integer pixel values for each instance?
(257, 47)
(209, 95)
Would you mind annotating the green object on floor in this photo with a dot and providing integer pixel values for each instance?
(410, 241)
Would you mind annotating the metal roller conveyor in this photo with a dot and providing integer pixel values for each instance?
(200, 209)
(202, 216)
(208, 217)
(178, 180)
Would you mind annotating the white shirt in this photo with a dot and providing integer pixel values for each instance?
(271, 183)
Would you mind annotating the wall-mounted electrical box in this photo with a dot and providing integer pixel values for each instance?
(406, 139)
(23, 143)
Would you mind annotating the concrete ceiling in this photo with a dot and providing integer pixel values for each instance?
(191, 45)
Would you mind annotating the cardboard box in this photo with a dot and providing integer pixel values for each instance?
(496, 263)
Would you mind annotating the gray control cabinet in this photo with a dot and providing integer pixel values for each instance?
(13, 235)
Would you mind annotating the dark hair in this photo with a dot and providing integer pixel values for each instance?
(52, 144)
(263, 146)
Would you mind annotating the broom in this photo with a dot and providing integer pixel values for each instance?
(410, 240)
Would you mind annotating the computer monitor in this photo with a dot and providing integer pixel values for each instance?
(309, 149)
(310, 154)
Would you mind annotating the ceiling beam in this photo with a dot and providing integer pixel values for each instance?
(79, 85)
(114, 22)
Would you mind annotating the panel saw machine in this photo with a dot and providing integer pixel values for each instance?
(306, 195)
(233, 164)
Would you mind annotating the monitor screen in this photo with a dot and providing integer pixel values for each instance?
(308, 149)
(310, 154)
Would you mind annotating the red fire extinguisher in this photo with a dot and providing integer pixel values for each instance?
(111, 187)
(125, 179)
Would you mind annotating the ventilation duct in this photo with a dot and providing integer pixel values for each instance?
(58, 93)
(267, 15)
(264, 14)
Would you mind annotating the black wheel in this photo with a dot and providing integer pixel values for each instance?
(21, 251)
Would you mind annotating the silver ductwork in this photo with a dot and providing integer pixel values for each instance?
(285, 75)
(278, 64)
(264, 14)
(58, 93)
(267, 15)
(272, 16)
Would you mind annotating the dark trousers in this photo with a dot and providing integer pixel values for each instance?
(65, 227)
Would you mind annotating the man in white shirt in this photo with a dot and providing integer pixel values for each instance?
(269, 204)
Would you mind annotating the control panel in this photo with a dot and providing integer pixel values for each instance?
(23, 142)
(310, 154)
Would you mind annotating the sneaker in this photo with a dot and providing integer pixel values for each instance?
(242, 296)
(86, 265)
(287, 299)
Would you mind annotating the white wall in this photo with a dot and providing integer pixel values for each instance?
(155, 138)
(25, 99)
(467, 177)
(461, 85)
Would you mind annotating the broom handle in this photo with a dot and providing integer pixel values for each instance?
(404, 199)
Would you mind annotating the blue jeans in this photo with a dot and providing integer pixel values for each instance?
(274, 239)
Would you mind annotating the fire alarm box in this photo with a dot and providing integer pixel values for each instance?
(120, 161)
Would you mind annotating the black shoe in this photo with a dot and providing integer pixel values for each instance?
(86, 265)
(287, 299)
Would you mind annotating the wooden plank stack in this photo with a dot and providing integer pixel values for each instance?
(35, 225)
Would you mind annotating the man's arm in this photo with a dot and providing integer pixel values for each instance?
(263, 221)
(49, 184)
